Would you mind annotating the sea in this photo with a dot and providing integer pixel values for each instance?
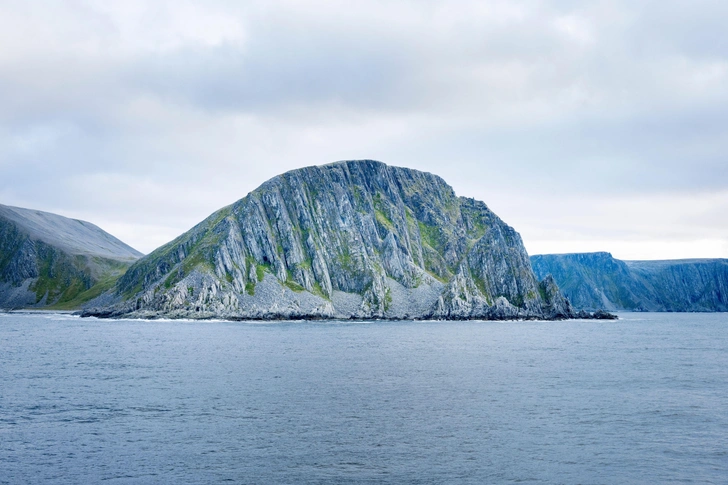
(643, 399)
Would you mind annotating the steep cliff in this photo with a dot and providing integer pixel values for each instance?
(47, 260)
(356, 239)
(597, 280)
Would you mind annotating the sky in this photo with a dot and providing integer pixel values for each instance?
(587, 126)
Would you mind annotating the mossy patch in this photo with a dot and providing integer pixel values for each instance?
(294, 286)
(360, 200)
(260, 270)
(387, 299)
(62, 278)
(429, 235)
(319, 291)
(79, 299)
(381, 212)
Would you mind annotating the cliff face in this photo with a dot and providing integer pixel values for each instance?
(690, 285)
(354, 239)
(49, 260)
(597, 280)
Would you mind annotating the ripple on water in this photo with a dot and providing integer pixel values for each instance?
(641, 400)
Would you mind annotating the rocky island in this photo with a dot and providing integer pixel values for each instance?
(354, 239)
(53, 262)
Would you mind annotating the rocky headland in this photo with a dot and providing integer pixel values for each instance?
(50, 261)
(354, 239)
(598, 280)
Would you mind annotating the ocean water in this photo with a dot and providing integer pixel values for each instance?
(640, 400)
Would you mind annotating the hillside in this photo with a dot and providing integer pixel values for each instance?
(50, 261)
(597, 280)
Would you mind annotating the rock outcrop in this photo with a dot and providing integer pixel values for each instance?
(47, 260)
(597, 280)
(356, 239)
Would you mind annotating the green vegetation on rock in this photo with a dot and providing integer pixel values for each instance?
(369, 240)
(63, 263)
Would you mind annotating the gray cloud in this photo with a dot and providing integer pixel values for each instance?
(144, 117)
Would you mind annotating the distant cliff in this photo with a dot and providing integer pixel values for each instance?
(355, 239)
(47, 260)
(597, 280)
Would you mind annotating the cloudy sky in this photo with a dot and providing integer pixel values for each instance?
(585, 125)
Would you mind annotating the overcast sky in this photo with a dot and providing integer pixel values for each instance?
(585, 125)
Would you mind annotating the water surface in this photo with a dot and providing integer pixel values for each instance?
(640, 400)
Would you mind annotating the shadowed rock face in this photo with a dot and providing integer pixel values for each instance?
(597, 280)
(355, 239)
(47, 259)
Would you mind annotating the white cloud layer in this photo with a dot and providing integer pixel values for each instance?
(585, 125)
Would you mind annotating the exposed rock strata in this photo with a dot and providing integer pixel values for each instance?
(597, 280)
(50, 260)
(355, 239)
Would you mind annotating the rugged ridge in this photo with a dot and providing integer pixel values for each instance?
(47, 260)
(598, 280)
(354, 239)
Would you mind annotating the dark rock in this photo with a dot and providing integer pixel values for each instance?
(555, 304)
(602, 315)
